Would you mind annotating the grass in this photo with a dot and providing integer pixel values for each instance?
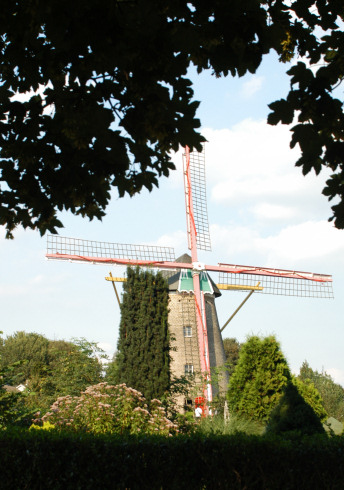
(218, 426)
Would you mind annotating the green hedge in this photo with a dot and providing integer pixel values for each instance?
(50, 460)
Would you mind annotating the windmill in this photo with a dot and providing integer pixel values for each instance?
(194, 282)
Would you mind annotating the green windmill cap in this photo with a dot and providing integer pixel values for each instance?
(182, 281)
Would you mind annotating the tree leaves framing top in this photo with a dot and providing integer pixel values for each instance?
(108, 93)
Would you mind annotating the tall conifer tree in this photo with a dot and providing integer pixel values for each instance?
(143, 344)
(259, 378)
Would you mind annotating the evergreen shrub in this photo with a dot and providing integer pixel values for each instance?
(143, 357)
(56, 460)
(294, 414)
(258, 380)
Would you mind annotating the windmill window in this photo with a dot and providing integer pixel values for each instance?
(187, 331)
(188, 369)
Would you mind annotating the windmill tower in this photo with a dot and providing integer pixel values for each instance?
(185, 353)
(193, 317)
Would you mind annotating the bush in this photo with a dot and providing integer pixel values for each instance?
(54, 460)
(257, 383)
(293, 414)
(104, 408)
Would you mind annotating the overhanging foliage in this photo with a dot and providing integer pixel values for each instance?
(96, 96)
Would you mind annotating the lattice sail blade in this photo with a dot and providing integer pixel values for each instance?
(199, 198)
(66, 248)
(275, 281)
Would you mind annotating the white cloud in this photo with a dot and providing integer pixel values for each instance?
(250, 148)
(251, 167)
(252, 86)
(310, 240)
(175, 240)
(232, 238)
(274, 212)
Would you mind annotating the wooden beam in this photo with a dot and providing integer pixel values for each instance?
(238, 287)
(116, 279)
(239, 307)
(113, 279)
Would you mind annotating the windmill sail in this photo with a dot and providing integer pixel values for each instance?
(275, 281)
(197, 213)
(75, 249)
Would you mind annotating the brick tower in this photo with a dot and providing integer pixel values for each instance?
(185, 353)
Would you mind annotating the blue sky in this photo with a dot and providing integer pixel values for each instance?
(262, 212)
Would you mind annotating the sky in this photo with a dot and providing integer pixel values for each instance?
(262, 212)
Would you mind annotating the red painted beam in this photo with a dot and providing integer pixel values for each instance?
(226, 268)
(264, 271)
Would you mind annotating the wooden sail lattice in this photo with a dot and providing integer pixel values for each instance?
(199, 194)
(66, 248)
(280, 283)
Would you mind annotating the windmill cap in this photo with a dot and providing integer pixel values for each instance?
(173, 277)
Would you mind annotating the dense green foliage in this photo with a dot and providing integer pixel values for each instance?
(13, 410)
(110, 97)
(74, 369)
(111, 373)
(143, 345)
(9, 412)
(259, 378)
(109, 409)
(293, 414)
(53, 460)
(232, 349)
(313, 103)
(29, 351)
(47, 368)
(311, 396)
(331, 392)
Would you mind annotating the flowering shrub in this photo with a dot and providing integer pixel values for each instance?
(105, 408)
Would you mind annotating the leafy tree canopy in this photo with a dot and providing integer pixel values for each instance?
(111, 373)
(107, 97)
(49, 368)
(331, 392)
(23, 356)
(73, 369)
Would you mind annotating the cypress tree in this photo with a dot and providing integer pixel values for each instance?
(143, 344)
(259, 378)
